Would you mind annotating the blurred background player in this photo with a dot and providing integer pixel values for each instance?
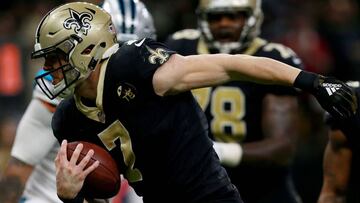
(30, 173)
(254, 126)
(341, 181)
(131, 18)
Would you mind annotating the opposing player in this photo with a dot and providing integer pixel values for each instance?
(31, 170)
(137, 99)
(254, 126)
(341, 181)
(131, 19)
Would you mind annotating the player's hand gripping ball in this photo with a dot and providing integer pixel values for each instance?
(104, 182)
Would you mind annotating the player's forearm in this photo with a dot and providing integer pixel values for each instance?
(336, 172)
(11, 188)
(185, 73)
(331, 198)
(13, 180)
(268, 153)
(261, 70)
(337, 167)
(329, 193)
(279, 126)
(334, 96)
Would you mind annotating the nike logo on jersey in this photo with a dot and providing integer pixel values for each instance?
(140, 43)
(331, 88)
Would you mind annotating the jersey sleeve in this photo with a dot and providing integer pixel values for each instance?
(152, 55)
(34, 136)
(136, 62)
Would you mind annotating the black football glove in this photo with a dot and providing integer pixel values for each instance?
(334, 96)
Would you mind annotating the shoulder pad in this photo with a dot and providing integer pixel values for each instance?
(189, 34)
(281, 53)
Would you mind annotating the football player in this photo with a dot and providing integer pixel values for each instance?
(341, 181)
(254, 126)
(137, 99)
(31, 170)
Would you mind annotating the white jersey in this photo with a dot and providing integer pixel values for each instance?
(36, 145)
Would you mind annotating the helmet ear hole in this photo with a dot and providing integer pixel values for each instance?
(88, 49)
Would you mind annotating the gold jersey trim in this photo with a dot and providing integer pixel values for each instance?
(254, 46)
(95, 113)
(202, 47)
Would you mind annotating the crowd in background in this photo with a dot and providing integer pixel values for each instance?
(324, 33)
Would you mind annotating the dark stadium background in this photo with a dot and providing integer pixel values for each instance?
(324, 33)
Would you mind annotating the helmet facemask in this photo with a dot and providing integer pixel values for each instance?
(64, 88)
(70, 75)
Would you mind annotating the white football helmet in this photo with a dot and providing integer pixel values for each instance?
(81, 32)
(250, 30)
(131, 19)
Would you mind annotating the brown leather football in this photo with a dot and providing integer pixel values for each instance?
(104, 182)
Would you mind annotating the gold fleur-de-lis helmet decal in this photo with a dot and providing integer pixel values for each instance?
(78, 21)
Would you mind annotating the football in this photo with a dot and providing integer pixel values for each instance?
(104, 182)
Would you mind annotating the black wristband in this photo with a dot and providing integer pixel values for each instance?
(306, 81)
(78, 199)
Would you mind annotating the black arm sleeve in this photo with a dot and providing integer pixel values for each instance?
(78, 199)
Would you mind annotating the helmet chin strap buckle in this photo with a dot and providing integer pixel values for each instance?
(93, 63)
(77, 38)
(98, 55)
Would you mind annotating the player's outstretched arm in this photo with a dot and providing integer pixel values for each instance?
(181, 73)
(33, 131)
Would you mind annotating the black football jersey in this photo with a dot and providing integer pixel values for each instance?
(351, 129)
(234, 113)
(160, 143)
